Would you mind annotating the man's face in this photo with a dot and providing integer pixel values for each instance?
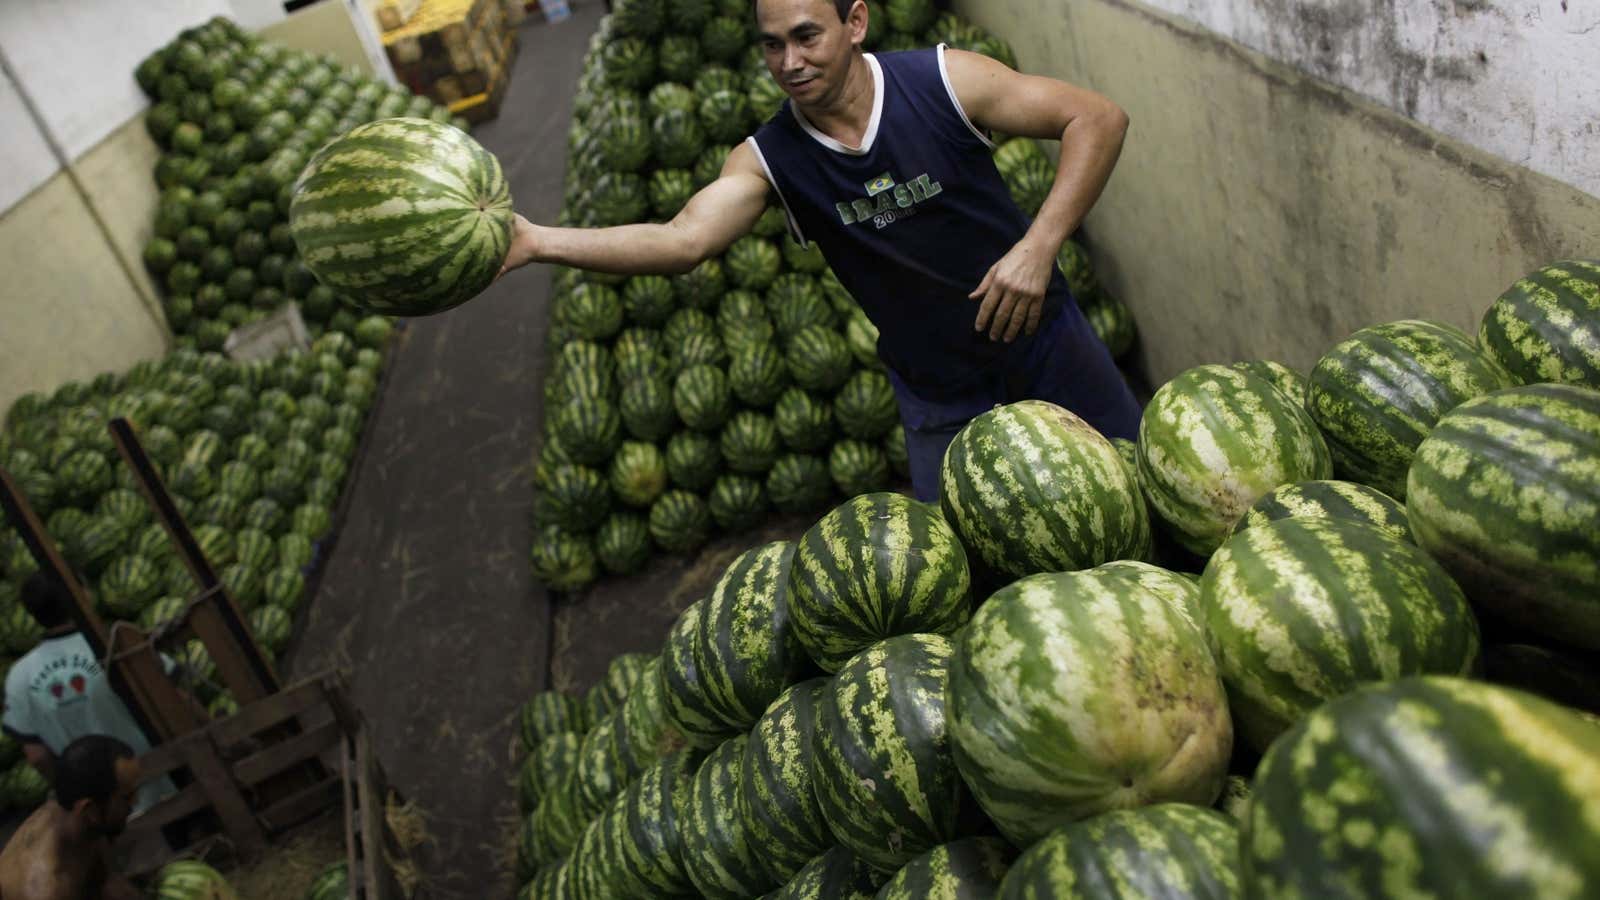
(808, 49)
(110, 818)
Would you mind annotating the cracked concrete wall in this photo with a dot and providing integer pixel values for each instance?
(1260, 210)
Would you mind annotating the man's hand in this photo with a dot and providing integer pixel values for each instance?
(1012, 293)
(522, 245)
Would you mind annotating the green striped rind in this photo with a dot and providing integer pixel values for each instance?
(1329, 500)
(746, 651)
(1212, 441)
(190, 879)
(1030, 487)
(1280, 376)
(1428, 787)
(881, 764)
(604, 767)
(1180, 591)
(548, 713)
(777, 803)
(717, 854)
(1166, 850)
(650, 822)
(968, 869)
(555, 756)
(683, 686)
(549, 884)
(1378, 393)
(403, 216)
(1300, 611)
(876, 566)
(1079, 692)
(1546, 327)
(836, 874)
(1505, 493)
(644, 718)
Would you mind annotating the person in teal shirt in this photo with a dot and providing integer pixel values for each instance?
(60, 692)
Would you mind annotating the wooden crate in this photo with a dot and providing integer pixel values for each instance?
(452, 49)
(486, 105)
(392, 14)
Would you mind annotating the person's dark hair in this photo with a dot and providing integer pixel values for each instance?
(46, 599)
(842, 7)
(87, 769)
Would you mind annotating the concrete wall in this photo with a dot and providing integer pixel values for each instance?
(1263, 211)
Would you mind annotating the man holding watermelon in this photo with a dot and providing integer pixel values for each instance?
(884, 160)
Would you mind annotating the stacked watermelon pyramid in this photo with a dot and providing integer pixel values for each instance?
(678, 407)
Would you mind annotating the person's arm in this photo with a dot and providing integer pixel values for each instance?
(1090, 128)
(715, 217)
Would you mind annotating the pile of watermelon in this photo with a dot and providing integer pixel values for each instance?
(1223, 660)
(679, 407)
(237, 118)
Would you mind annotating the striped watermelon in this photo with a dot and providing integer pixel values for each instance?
(877, 566)
(858, 467)
(680, 522)
(1378, 393)
(818, 358)
(649, 824)
(717, 853)
(1279, 376)
(1166, 850)
(576, 498)
(1546, 326)
(737, 502)
(645, 730)
(1061, 702)
(551, 759)
(865, 407)
(1271, 591)
(968, 869)
(638, 473)
(562, 560)
(190, 879)
(1212, 441)
(283, 587)
(557, 822)
(272, 627)
(746, 650)
(777, 803)
(882, 718)
(749, 442)
(1428, 787)
(836, 874)
(753, 263)
(1329, 500)
(332, 884)
(648, 299)
(1030, 487)
(798, 483)
(684, 689)
(1505, 493)
(1179, 590)
(701, 397)
(403, 216)
(622, 544)
(646, 409)
(804, 421)
(602, 771)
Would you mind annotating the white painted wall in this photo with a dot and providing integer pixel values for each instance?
(1517, 78)
(76, 60)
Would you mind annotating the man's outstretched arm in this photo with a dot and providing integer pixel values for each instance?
(1090, 128)
(715, 217)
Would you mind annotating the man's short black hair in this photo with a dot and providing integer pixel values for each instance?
(46, 599)
(87, 769)
(842, 7)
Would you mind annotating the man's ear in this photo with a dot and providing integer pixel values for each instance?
(86, 810)
(857, 21)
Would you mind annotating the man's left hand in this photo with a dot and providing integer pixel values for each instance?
(1012, 293)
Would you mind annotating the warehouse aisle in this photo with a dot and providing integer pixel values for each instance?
(428, 599)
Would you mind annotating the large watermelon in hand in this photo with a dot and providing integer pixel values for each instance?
(1428, 787)
(1506, 494)
(1302, 610)
(1030, 487)
(1378, 393)
(1212, 441)
(1168, 850)
(882, 718)
(1079, 692)
(403, 217)
(876, 566)
(1546, 327)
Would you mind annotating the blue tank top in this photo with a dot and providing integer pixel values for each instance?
(910, 222)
